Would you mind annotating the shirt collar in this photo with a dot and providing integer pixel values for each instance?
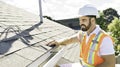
(97, 29)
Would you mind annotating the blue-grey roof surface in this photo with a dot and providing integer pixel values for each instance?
(23, 38)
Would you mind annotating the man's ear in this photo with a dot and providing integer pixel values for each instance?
(92, 19)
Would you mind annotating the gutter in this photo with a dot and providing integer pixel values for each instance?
(49, 59)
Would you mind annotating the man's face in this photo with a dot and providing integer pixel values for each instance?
(85, 23)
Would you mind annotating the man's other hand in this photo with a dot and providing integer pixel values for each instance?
(53, 43)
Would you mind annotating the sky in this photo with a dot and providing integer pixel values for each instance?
(62, 9)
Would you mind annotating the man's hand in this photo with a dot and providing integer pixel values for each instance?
(53, 43)
(64, 41)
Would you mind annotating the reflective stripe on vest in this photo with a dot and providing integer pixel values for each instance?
(91, 55)
(87, 65)
(94, 47)
(81, 33)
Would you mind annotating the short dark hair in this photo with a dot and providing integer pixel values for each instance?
(92, 16)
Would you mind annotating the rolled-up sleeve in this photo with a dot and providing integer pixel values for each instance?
(107, 46)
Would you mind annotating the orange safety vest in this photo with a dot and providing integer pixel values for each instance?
(89, 51)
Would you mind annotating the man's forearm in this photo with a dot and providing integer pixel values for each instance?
(105, 64)
(109, 61)
(68, 40)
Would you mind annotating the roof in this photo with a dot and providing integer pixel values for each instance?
(23, 37)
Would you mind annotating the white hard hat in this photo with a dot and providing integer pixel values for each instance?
(88, 10)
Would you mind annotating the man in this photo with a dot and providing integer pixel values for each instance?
(96, 47)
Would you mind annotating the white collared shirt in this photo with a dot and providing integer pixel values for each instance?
(106, 46)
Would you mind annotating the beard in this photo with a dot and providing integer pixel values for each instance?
(84, 27)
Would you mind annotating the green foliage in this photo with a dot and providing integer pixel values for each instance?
(114, 28)
(109, 14)
(102, 22)
(106, 18)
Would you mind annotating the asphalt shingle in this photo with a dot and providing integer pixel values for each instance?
(14, 60)
(23, 37)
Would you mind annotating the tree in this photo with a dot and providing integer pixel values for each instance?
(114, 28)
(101, 21)
(109, 14)
(106, 17)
